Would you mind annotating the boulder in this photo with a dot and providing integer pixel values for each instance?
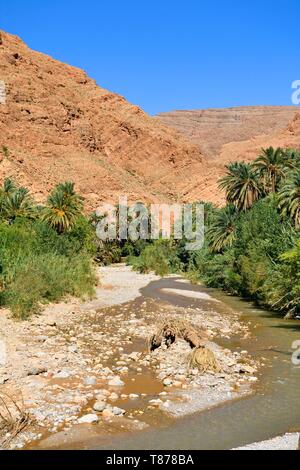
(99, 406)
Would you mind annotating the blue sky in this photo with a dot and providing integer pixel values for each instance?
(165, 55)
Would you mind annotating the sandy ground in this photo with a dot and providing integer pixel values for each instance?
(289, 441)
(118, 285)
(191, 294)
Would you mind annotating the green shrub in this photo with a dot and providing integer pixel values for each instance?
(37, 265)
(214, 269)
(246, 268)
(107, 253)
(47, 278)
(160, 257)
(282, 291)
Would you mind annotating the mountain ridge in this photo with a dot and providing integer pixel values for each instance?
(58, 124)
(212, 128)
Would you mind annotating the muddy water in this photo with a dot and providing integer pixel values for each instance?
(272, 410)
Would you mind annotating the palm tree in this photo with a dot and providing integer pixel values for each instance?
(221, 233)
(5, 191)
(289, 197)
(241, 184)
(18, 203)
(94, 219)
(67, 188)
(63, 208)
(291, 158)
(271, 167)
(8, 187)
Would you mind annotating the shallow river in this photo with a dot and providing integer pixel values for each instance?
(273, 409)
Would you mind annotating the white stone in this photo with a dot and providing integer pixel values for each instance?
(107, 413)
(113, 396)
(156, 402)
(117, 411)
(167, 382)
(89, 419)
(63, 374)
(90, 381)
(116, 382)
(99, 406)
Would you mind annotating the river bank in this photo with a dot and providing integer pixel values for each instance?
(290, 441)
(84, 372)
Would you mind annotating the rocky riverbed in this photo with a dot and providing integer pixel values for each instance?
(83, 371)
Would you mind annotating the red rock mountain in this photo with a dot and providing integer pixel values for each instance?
(226, 135)
(212, 128)
(57, 124)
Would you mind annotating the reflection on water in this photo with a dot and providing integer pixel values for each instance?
(273, 410)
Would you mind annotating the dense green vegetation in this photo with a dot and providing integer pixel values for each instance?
(252, 245)
(162, 257)
(46, 251)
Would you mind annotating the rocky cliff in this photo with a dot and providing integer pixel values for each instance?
(213, 128)
(57, 124)
(226, 135)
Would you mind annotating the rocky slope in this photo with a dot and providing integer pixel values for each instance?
(212, 128)
(228, 135)
(57, 124)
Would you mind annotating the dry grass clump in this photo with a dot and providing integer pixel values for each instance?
(204, 359)
(169, 329)
(13, 418)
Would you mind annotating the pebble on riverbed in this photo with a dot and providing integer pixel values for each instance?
(88, 419)
(99, 406)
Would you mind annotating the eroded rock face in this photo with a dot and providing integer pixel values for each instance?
(213, 128)
(57, 124)
(234, 134)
